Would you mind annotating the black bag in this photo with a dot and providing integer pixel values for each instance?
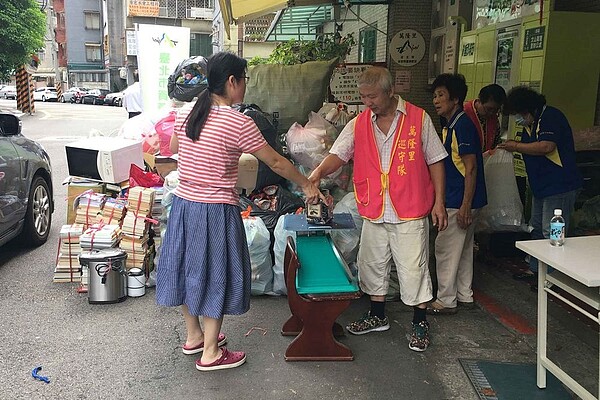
(184, 91)
(265, 176)
(285, 203)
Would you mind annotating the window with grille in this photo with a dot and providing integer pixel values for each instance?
(200, 45)
(181, 8)
(367, 44)
(92, 19)
(93, 52)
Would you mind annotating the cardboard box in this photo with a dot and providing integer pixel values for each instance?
(75, 187)
(162, 165)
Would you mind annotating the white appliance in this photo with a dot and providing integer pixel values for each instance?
(105, 159)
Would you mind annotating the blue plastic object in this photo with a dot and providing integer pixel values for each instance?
(34, 374)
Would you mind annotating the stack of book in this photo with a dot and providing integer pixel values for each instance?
(113, 211)
(67, 262)
(136, 225)
(157, 210)
(88, 208)
(100, 236)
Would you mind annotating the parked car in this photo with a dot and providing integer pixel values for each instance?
(94, 96)
(8, 92)
(72, 95)
(114, 99)
(45, 94)
(26, 196)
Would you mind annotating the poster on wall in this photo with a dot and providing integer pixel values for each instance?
(489, 12)
(160, 49)
(407, 47)
(505, 46)
(467, 50)
(402, 82)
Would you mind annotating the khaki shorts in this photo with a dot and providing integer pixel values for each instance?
(407, 245)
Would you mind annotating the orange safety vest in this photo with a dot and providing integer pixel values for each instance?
(408, 180)
(491, 126)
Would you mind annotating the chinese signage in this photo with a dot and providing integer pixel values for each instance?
(143, 8)
(131, 42)
(467, 50)
(534, 38)
(407, 47)
(407, 149)
(160, 50)
(344, 83)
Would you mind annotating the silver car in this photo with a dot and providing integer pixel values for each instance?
(26, 196)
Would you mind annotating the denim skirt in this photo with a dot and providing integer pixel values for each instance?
(204, 261)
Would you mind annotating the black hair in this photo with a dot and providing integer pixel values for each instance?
(219, 68)
(523, 99)
(454, 83)
(493, 92)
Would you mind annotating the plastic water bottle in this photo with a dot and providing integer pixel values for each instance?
(557, 228)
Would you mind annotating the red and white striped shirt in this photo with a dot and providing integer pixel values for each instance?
(208, 168)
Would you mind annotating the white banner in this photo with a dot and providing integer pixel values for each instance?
(159, 50)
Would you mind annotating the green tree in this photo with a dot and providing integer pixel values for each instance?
(22, 30)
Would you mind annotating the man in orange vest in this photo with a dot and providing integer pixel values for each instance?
(398, 182)
(483, 111)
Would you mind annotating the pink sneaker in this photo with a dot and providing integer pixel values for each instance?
(222, 339)
(229, 359)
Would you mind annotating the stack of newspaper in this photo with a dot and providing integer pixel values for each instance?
(99, 236)
(67, 262)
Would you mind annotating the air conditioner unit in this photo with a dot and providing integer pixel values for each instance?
(200, 13)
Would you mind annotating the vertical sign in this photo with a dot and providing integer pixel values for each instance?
(160, 50)
(105, 42)
(534, 38)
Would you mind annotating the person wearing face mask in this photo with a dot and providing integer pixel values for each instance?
(549, 154)
(483, 111)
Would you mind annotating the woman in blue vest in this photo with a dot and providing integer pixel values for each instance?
(549, 154)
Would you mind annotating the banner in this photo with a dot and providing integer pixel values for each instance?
(159, 50)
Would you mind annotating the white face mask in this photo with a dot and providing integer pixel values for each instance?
(520, 120)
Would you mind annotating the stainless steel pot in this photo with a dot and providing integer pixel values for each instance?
(107, 275)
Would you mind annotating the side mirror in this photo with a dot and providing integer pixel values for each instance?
(10, 125)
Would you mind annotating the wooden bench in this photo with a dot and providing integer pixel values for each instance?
(319, 290)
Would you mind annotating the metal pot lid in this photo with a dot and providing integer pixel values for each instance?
(102, 255)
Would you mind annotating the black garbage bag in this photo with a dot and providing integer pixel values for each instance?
(265, 175)
(188, 80)
(270, 203)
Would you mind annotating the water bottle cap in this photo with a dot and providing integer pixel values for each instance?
(558, 211)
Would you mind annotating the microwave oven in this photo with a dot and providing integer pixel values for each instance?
(105, 159)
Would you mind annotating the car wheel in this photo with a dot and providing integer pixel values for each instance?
(38, 217)
(43, 98)
(62, 99)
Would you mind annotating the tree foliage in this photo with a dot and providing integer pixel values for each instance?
(22, 30)
(301, 51)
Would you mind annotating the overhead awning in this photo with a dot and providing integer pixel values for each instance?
(235, 11)
(300, 23)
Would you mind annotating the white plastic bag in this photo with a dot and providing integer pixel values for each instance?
(259, 243)
(310, 144)
(347, 240)
(504, 211)
(281, 236)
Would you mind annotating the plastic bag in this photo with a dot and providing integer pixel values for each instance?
(504, 211)
(281, 202)
(309, 145)
(259, 244)
(139, 177)
(347, 240)
(164, 129)
(281, 236)
(184, 88)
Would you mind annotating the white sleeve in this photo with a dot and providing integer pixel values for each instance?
(432, 145)
(344, 144)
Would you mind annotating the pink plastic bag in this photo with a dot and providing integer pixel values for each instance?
(164, 128)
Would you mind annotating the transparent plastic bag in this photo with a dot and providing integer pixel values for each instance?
(281, 236)
(347, 240)
(309, 145)
(259, 243)
(504, 211)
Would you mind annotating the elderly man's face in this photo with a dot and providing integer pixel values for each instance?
(375, 98)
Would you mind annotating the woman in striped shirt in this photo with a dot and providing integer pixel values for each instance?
(204, 265)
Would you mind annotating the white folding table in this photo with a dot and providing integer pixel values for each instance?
(577, 265)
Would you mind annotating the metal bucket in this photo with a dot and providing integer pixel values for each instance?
(107, 275)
